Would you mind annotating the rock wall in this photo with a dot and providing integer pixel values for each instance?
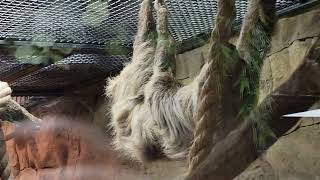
(292, 38)
(72, 143)
(67, 146)
(294, 156)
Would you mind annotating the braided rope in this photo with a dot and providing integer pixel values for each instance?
(15, 113)
(18, 113)
(209, 111)
(5, 169)
(209, 116)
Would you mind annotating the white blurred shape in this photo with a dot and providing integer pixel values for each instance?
(307, 114)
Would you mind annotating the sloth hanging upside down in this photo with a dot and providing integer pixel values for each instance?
(152, 113)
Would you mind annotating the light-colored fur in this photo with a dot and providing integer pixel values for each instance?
(152, 113)
(5, 95)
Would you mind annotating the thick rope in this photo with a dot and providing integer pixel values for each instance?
(252, 47)
(5, 168)
(14, 113)
(209, 111)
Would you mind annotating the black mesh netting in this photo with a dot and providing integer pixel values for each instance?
(103, 22)
(90, 24)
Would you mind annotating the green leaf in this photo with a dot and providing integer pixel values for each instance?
(244, 85)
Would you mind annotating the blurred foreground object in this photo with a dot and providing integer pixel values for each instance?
(306, 114)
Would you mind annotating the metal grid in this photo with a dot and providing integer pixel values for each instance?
(93, 24)
(9, 65)
(103, 22)
(75, 69)
(6, 67)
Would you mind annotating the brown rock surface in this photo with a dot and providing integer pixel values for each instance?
(65, 147)
(68, 146)
(294, 157)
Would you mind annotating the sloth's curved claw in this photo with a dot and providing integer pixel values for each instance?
(158, 4)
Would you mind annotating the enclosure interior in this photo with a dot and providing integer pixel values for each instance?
(51, 46)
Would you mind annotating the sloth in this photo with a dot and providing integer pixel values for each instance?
(152, 114)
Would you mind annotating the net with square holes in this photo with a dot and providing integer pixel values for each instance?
(94, 25)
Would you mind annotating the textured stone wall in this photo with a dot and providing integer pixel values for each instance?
(290, 42)
(294, 156)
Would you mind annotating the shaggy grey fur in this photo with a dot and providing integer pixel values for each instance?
(152, 114)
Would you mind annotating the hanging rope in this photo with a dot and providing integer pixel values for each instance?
(5, 169)
(209, 112)
(14, 113)
(253, 45)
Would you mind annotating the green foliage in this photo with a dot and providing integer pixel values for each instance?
(260, 118)
(244, 85)
(258, 43)
(116, 49)
(30, 55)
(39, 55)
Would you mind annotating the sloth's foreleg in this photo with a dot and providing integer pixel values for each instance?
(137, 73)
(174, 129)
(125, 91)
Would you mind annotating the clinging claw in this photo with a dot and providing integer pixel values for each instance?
(146, 2)
(158, 4)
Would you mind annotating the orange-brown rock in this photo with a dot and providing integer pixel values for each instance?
(66, 146)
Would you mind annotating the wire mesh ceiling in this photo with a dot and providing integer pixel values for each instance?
(74, 69)
(93, 24)
(68, 72)
(103, 22)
